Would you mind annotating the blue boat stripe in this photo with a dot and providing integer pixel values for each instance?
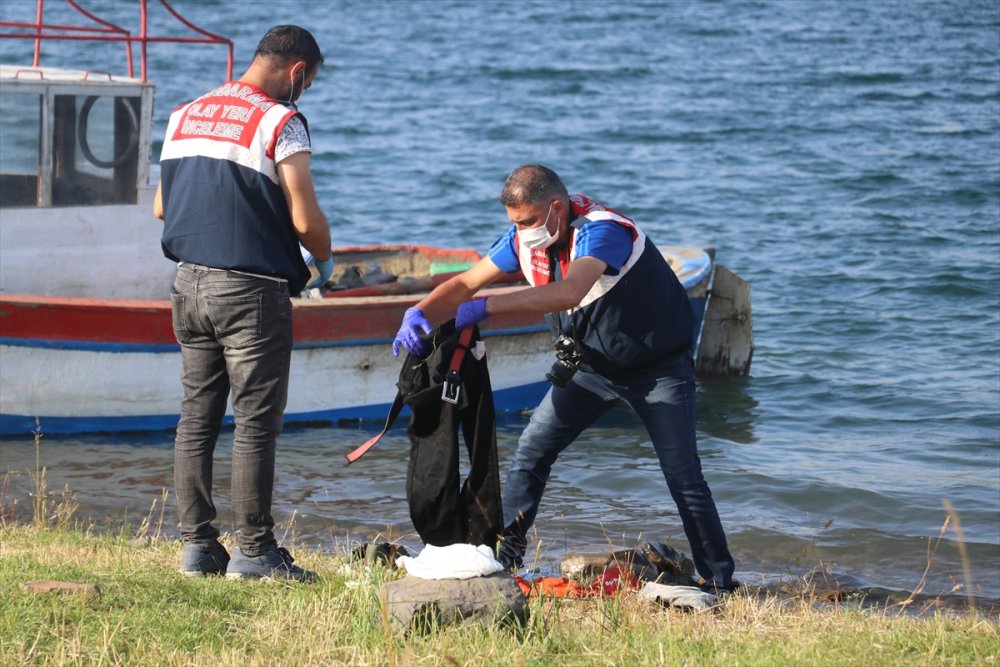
(508, 401)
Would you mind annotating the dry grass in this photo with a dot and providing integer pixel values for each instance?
(148, 614)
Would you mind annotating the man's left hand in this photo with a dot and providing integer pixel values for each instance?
(471, 312)
(325, 268)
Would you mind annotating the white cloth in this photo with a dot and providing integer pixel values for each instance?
(678, 596)
(455, 561)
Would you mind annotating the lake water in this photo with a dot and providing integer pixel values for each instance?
(843, 157)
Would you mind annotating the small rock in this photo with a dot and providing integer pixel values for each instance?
(673, 566)
(834, 586)
(636, 561)
(46, 586)
(420, 605)
(653, 562)
(380, 553)
(584, 565)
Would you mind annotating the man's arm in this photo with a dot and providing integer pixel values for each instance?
(440, 304)
(555, 296)
(300, 195)
(158, 202)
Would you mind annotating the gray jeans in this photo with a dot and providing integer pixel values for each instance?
(235, 333)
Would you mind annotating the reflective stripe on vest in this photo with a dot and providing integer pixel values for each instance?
(535, 263)
(236, 122)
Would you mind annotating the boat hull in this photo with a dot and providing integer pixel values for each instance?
(72, 364)
(115, 388)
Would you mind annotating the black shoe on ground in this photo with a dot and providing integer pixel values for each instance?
(510, 563)
(721, 591)
(198, 560)
(275, 563)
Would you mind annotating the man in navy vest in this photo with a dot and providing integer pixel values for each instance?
(236, 196)
(623, 329)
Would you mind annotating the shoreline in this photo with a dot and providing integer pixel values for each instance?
(809, 573)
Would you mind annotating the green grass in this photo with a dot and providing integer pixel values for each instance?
(148, 614)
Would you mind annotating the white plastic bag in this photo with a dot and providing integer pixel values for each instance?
(455, 561)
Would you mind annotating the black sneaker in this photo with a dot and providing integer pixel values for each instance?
(197, 560)
(735, 586)
(275, 563)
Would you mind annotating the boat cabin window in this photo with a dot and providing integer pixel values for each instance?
(19, 149)
(95, 149)
(90, 158)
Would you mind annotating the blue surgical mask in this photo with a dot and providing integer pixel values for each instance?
(538, 238)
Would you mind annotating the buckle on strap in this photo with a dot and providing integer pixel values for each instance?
(452, 388)
(453, 381)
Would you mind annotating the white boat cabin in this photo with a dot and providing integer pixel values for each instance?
(75, 194)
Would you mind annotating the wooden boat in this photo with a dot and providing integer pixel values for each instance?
(86, 341)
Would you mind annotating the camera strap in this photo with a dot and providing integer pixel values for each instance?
(572, 325)
(558, 264)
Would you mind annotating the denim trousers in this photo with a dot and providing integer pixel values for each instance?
(662, 395)
(235, 333)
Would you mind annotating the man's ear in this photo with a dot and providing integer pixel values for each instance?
(559, 209)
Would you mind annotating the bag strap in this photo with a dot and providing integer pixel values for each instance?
(394, 410)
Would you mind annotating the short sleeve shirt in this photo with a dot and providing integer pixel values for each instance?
(293, 139)
(603, 239)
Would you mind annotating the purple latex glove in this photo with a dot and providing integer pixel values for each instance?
(471, 312)
(408, 335)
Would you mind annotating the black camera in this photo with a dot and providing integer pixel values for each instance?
(569, 356)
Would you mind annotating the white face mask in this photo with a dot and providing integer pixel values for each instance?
(538, 238)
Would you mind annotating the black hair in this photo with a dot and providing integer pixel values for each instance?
(285, 43)
(532, 184)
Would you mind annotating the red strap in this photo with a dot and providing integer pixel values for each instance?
(459, 354)
(397, 405)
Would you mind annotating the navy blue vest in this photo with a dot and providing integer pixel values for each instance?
(223, 205)
(645, 316)
(625, 320)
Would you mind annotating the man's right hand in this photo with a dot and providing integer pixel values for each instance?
(409, 334)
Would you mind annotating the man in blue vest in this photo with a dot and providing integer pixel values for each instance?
(623, 329)
(237, 199)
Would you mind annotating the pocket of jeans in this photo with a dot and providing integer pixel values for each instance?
(236, 319)
(181, 332)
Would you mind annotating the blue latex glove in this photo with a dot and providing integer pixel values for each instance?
(471, 312)
(325, 268)
(414, 323)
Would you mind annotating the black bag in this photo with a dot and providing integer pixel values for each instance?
(447, 390)
(444, 509)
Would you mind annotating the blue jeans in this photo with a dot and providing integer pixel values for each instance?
(235, 333)
(662, 395)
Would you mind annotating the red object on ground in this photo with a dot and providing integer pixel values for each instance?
(611, 582)
(614, 579)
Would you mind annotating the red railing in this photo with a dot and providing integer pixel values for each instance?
(109, 32)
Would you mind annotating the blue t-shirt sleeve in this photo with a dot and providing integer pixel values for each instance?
(607, 241)
(504, 254)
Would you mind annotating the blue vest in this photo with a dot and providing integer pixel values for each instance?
(627, 320)
(222, 202)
